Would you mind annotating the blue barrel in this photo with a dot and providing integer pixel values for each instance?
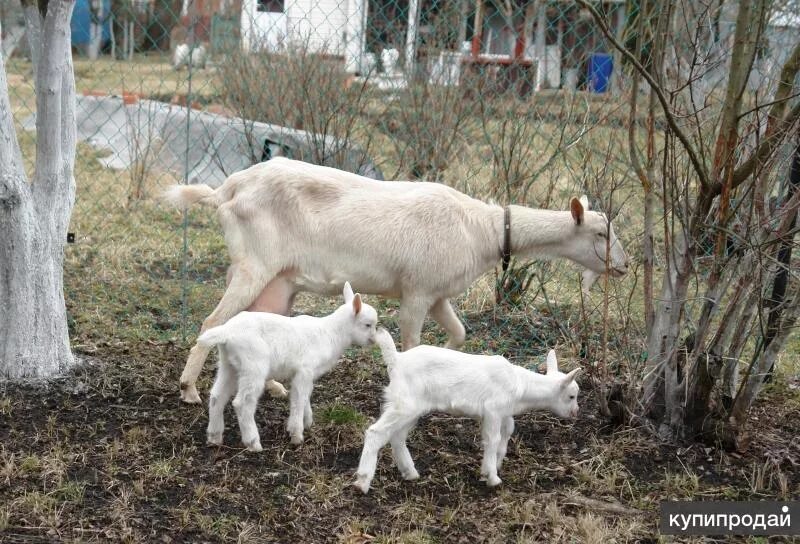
(601, 65)
(82, 20)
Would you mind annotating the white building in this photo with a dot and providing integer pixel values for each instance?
(334, 27)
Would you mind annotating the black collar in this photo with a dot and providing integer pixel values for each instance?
(506, 252)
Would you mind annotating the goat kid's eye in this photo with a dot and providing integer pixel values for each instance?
(602, 235)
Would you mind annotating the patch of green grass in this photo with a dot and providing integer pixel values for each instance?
(5, 406)
(161, 470)
(70, 491)
(30, 464)
(341, 414)
(220, 526)
(680, 485)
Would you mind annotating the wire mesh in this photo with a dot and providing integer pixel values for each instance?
(520, 102)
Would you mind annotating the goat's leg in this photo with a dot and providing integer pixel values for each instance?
(245, 404)
(442, 311)
(490, 434)
(506, 430)
(308, 414)
(302, 385)
(246, 283)
(413, 310)
(276, 298)
(222, 391)
(377, 435)
(400, 453)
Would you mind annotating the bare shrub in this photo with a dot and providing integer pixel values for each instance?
(300, 89)
(524, 145)
(427, 123)
(728, 227)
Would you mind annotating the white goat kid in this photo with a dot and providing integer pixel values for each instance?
(489, 388)
(254, 346)
(292, 226)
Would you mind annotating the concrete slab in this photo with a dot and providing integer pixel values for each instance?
(204, 147)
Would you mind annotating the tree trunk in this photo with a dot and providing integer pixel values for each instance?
(776, 301)
(34, 216)
(662, 395)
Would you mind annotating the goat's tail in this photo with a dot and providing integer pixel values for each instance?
(183, 196)
(214, 336)
(386, 343)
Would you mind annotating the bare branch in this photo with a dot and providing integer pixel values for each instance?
(742, 57)
(765, 149)
(702, 174)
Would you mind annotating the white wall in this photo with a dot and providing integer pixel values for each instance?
(320, 24)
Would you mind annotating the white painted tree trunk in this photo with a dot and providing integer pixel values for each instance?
(34, 214)
(96, 29)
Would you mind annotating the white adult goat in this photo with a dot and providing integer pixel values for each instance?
(292, 226)
(429, 379)
(254, 346)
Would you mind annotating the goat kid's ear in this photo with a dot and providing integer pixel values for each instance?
(357, 303)
(347, 292)
(585, 202)
(577, 210)
(569, 378)
(552, 362)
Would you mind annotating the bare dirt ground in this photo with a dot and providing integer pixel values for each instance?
(110, 453)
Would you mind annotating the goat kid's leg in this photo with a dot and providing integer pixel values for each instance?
(300, 394)
(308, 415)
(442, 311)
(222, 391)
(376, 437)
(277, 298)
(246, 282)
(245, 404)
(413, 310)
(400, 453)
(506, 430)
(490, 434)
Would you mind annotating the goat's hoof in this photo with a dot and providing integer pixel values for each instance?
(190, 395)
(362, 484)
(276, 390)
(254, 446)
(214, 439)
(493, 481)
(411, 475)
(296, 439)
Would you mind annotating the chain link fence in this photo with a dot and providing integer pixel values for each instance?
(517, 101)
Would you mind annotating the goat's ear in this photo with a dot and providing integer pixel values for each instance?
(585, 202)
(552, 362)
(569, 378)
(347, 292)
(357, 303)
(576, 208)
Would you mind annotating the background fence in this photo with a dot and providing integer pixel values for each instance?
(520, 102)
